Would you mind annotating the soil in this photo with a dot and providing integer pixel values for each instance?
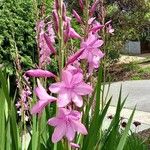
(121, 72)
(145, 136)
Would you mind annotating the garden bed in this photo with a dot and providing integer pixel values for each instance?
(130, 71)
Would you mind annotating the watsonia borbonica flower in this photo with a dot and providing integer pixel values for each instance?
(66, 123)
(91, 52)
(70, 89)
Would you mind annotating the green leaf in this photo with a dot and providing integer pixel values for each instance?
(3, 120)
(94, 131)
(125, 133)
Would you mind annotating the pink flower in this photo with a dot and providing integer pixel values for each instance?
(110, 29)
(96, 26)
(40, 25)
(39, 73)
(66, 123)
(44, 99)
(91, 51)
(70, 89)
(78, 18)
(94, 63)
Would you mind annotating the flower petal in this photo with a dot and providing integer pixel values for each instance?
(66, 77)
(70, 133)
(83, 89)
(74, 34)
(42, 94)
(55, 87)
(59, 132)
(54, 121)
(98, 43)
(90, 21)
(39, 107)
(77, 78)
(79, 127)
(77, 99)
(63, 99)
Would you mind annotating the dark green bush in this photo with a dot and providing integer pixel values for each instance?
(17, 24)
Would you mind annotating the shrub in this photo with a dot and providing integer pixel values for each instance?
(17, 32)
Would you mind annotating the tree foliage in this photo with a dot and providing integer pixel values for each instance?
(17, 32)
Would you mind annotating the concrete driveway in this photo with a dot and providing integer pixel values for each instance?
(138, 94)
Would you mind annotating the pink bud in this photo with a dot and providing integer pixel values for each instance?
(39, 73)
(93, 8)
(49, 43)
(55, 18)
(74, 57)
(56, 5)
(64, 12)
(74, 34)
(70, 33)
(108, 22)
(110, 29)
(78, 18)
(81, 4)
(66, 32)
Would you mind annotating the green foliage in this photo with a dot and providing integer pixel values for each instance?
(132, 66)
(134, 142)
(17, 31)
(130, 19)
(111, 139)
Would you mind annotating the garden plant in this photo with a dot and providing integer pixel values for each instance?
(66, 109)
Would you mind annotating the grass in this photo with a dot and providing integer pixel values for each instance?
(144, 69)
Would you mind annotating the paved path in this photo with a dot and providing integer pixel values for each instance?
(138, 95)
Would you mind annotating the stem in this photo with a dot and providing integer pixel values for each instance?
(105, 59)
(39, 131)
(86, 13)
(36, 13)
(61, 37)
